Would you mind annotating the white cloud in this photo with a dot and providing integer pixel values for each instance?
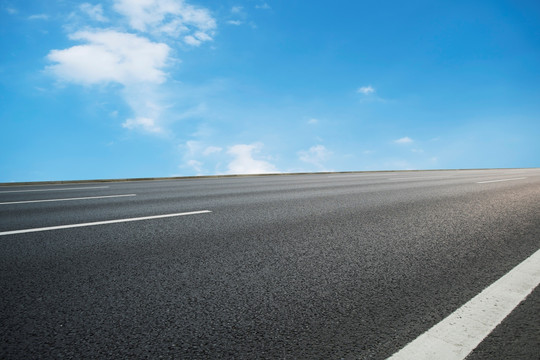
(316, 155)
(11, 11)
(404, 140)
(366, 90)
(168, 17)
(244, 163)
(130, 58)
(94, 12)
(145, 124)
(110, 56)
(39, 17)
(313, 121)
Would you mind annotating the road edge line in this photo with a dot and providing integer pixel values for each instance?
(459, 334)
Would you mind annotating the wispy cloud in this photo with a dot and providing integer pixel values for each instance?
(94, 12)
(264, 6)
(316, 155)
(366, 90)
(145, 124)
(404, 140)
(211, 150)
(313, 121)
(196, 165)
(39, 17)
(197, 38)
(169, 17)
(236, 9)
(234, 22)
(197, 155)
(238, 16)
(244, 162)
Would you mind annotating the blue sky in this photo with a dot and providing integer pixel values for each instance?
(151, 88)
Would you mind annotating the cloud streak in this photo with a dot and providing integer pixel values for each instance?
(404, 140)
(145, 124)
(366, 90)
(39, 17)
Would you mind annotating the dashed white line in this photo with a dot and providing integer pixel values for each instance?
(13, 232)
(55, 189)
(492, 181)
(458, 334)
(66, 199)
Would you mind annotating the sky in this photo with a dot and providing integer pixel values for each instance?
(157, 88)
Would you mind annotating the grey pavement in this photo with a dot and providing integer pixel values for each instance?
(321, 266)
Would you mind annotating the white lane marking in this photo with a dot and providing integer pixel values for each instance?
(70, 199)
(457, 335)
(58, 189)
(102, 222)
(492, 181)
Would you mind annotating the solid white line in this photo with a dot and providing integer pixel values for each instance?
(457, 335)
(102, 222)
(492, 181)
(58, 189)
(70, 199)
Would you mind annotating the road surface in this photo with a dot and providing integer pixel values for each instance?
(326, 266)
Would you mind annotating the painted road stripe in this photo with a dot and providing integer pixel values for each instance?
(70, 199)
(102, 222)
(457, 335)
(491, 181)
(57, 189)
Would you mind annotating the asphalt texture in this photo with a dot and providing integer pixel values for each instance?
(321, 266)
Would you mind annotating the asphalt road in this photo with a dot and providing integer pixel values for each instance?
(325, 266)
